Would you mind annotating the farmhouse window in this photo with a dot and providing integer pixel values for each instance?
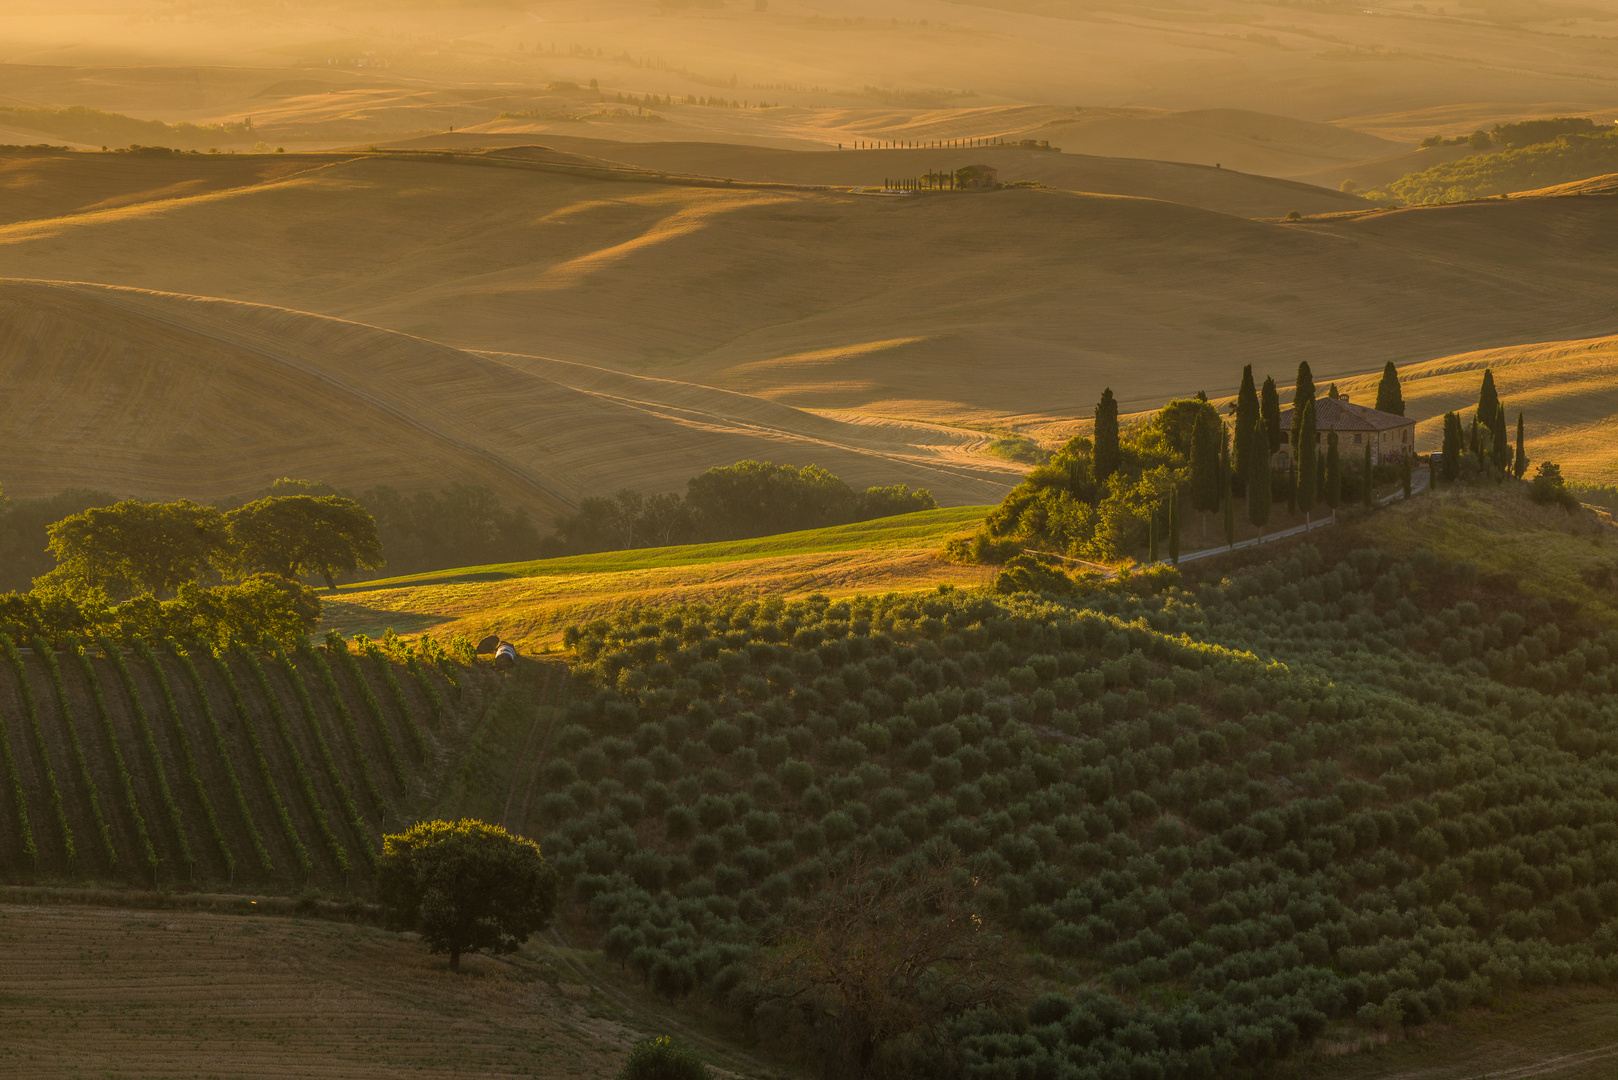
(1358, 438)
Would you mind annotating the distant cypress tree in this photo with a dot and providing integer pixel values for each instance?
(1488, 400)
(1229, 499)
(1500, 440)
(1270, 409)
(1206, 438)
(1106, 454)
(1174, 527)
(1258, 484)
(1302, 393)
(1454, 447)
(1247, 414)
(1520, 464)
(1390, 396)
(1334, 475)
(1308, 459)
(1365, 474)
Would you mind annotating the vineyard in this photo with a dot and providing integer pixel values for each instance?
(165, 765)
(1213, 823)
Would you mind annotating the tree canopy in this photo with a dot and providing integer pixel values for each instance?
(1389, 395)
(466, 886)
(294, 535)
(136, 547)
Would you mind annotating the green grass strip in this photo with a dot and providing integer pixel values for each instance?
(155, 666)
(335, 644)
(350, 810)
(351, 731)
(19, 801)
(143, 727)
(418, 738)
(195, 678)
(338, 852)
(91, 791)
(57, 809)
(125, 782)
(288, 829)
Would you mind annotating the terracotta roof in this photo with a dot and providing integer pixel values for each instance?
(1335, 414)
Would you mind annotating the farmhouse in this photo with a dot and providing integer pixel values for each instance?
(972, 177)
(1391, 437)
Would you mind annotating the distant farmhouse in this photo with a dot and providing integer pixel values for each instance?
(986, 177)
(1391, 437)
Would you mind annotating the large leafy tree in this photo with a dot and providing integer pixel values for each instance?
(756, 498)
(1389, 395)
(466, 886)
(1107, 454)
(294, 535)
(135, 547)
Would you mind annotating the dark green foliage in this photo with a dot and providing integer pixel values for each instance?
(1107, 452)
(1549, 488)
(1308, 457)
(1488, 400)
(1207, 438)
(465, 886)
(1519, 463)
(19, 801)
(154, 760)
(1500, 443)
(1227, 496)
(337, 647)
(1258, 483)
(23, 539)
(58, 811)
(289, 829)
(1247, 414)
(345, 716)
(407, 715)
(298, 535)
(193, 773)
(1270, 410)
(1174, 526)
(664, 1058)
(205, 707)
(1454, 444)
(1303, 394)
(1389, 395)
(1532, 132)
(92, 793)
(1560, 161)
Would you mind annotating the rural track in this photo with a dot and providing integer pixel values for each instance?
(1550, 1067)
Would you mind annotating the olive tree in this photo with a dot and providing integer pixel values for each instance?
(466, 886)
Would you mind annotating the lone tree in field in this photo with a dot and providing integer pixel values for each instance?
(1390, 396)
(135, 547)
(1258, 483)
(466, 886)
(294, 535)
(1106, 454)
(880, 954)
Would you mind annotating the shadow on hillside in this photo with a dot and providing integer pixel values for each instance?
(350, 618)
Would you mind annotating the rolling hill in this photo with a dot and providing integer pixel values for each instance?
(169, 395)
(833, 301)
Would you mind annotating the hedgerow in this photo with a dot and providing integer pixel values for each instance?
(92, 793)
(126, 782)
(336, 646)
(1296, 799)
(288, 829)
(346, 717)
(311, 718)
(201, 691)
(334, 846)
(154, 759)
(31, 707)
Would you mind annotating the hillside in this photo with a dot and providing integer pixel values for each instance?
(792, 296)
(175, 396)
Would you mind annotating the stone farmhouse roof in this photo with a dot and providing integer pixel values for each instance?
(1336, 414)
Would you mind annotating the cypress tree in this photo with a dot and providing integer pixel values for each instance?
(1454, 446)
(1174, 526)
(1206, 438)
(1333, 492)
(1365, 472)
(1475, 439)
(1151, 536)
(1302, 393)
(1520, 464)
(1308, 459)
(1390, 396)
(1228, 495)
(1247, 414)
(1106, 453)
(1258, 484)
(1488, 400)
(1270, 409)
(1501, 442)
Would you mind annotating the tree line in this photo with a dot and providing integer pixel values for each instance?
(1110, 495)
